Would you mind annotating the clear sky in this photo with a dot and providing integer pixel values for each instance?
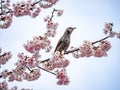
(89, 17)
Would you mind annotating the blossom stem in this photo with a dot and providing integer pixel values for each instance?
(36, 3)
(46, 70)
(52, 14)
(45, 60)
(29, 69)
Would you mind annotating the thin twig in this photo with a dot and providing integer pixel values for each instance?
(100, 40)
(36, 3)
(45, 60)
(46, 70)
(29, 69)
(0, 76)
(52, 14)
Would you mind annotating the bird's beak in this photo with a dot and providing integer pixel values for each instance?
(74, 28)
(70, 30)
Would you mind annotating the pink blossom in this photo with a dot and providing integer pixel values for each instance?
(11, 77)
(59, 12)
(33, 75)
(25, 61)
(50, 33)
(37, 44)
(99, 53)
(57, 61)
(118, 35)
(5, 57)
(76, 54)
(52, 25)
(47, 19)
(111, 34)
(6, 20)
(26, 8)
(108, 29)
(35, 13)
(86, 49)
(4, 73)
(62, 77)
(48, 3)
(3, 85)
(105, 31)
(105, 46)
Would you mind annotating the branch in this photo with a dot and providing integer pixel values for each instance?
(52, 14)
(45, 60)
(46, 70)
(76, 49)
(0, 76)
(100, 40)
(70, 51)
(36, 3)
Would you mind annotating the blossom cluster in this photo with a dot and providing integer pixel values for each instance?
(4, 86)
(108, 30)
(33, 75)
(62, 77)
(47, 3)
(5, 57)
(37, 44)
(51, 26)
(29, 8)
(20, 74)
(57, 61)
(88, 49)
(25, 61)
(5, 18)
(26, 8)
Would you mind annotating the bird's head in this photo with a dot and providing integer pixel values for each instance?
(69, 30)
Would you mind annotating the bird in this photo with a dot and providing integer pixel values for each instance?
(64, 41)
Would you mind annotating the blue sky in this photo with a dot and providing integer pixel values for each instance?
(89, 17)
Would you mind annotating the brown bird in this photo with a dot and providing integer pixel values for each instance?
(64, 41)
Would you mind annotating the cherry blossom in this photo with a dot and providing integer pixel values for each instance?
(25, 61)
(26, 8)
(33, 75)
(3, 85)
(62, 77)
(48, 4)
(107, 27)
(118, 35)
(57, 61)
(29, 8)
(59, 12)
(5, 57)
(37, 44)
(86, 49)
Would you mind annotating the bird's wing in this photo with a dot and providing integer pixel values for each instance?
(58, 46)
